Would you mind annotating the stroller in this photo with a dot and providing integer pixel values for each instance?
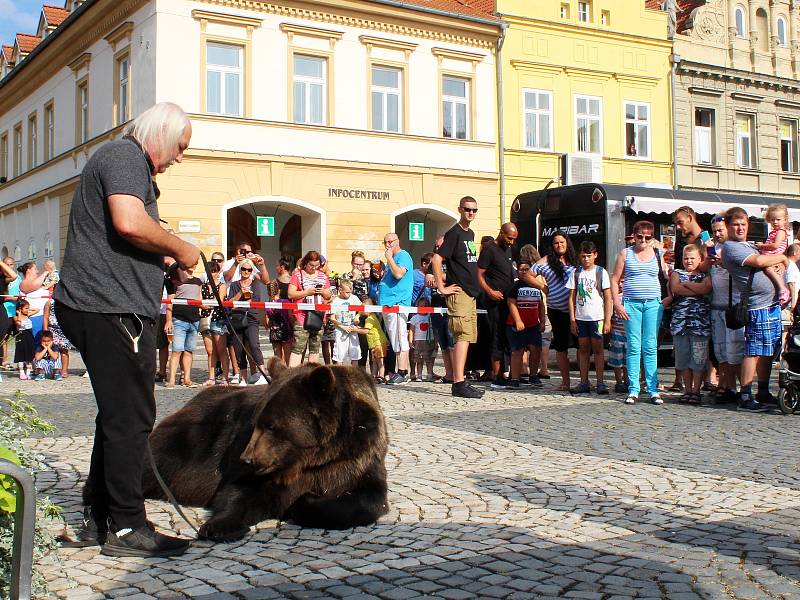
(789, 374)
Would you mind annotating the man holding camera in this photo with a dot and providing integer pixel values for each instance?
(244, 251)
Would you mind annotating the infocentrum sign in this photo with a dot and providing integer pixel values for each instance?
(356, 193)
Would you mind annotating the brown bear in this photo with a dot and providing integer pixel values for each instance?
(308, 448)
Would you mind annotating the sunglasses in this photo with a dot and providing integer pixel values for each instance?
(218, 260)
(644, 238)
(717, 220)
(245, 270)
(469, 210)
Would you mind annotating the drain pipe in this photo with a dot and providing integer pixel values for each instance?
(675, 59)
(501, 166)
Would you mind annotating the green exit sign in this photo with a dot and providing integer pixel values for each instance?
(265, 226)
(416, 232)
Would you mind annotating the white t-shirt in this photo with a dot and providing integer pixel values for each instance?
(589, 304)
(792, 275)
(345, 317)
(421, 325)
(227, 265)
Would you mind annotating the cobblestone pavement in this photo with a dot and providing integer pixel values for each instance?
(516, 495)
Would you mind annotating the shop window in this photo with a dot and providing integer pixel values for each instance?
(637, 129)
(386, 90)
(224, 79)
(704, 136)
(745, 141)
(789, 163)
(588, 124)
(310, 89)
(538, 119)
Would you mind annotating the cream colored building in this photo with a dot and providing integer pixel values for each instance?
(342, 119)
(737, 96)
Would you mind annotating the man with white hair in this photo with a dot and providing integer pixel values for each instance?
(107, 303)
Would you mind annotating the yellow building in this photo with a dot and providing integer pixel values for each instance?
(586, 94)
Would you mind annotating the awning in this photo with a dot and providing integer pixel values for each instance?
(649, 204)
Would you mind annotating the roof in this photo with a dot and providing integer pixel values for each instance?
(54, 14)
(8, 53)
(685, 10)
(653, 4)
(483, 9)
(27, 42)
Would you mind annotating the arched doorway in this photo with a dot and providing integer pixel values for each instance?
(299, 227)
(435, 222)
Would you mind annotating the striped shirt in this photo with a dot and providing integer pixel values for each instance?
(557, 291)
(641, 278)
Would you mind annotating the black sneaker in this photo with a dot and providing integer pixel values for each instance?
(463, 390)
(525, 380)
(92, 532)
(581, 388)
(499, 383)
(766, 398)
(534, 381)
(752, 405)
(477, 390)
(143, 542)
(727, 397)
(621, 388)
(397, 379)
(513, 384)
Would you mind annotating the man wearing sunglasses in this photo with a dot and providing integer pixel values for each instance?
(459, 250)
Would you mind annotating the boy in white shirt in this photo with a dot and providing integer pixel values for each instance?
(424, 343)
(345, 344)
(590, 307)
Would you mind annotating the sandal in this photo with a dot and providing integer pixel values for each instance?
(379, 380)
(189, 384)
(675, 387)
(685, 399)
(208, 383)
(694, 398)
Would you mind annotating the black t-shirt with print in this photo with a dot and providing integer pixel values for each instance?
(458, 249)
(499, 273)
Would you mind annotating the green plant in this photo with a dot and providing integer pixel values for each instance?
(19, 420)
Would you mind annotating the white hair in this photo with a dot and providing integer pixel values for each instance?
(160, 125)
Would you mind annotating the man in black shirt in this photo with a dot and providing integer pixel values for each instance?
(496, 277)
(462, 287)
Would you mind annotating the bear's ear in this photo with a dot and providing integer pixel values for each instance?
(321, 381)
(275, 367)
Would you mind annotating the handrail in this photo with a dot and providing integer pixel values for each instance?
(24, 524)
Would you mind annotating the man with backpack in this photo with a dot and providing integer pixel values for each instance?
(590, 307)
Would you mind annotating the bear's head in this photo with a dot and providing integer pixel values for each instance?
(301, 414)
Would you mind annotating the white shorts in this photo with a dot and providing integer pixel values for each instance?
(728, 343)
(346, 347)
(397, 331)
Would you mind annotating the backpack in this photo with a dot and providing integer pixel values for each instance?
(598, 274)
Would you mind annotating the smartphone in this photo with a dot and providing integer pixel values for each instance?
(705, 236)
(711, 250)
(242, 252)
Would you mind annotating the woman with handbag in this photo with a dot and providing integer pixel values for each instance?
(245, 321)
(641, 306)
(308, 284)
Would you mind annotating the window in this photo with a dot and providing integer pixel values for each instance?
(740, 22)
(33, 141)
(704, 136)
(48, 247)
(605, 18)
(49, 131)
(122, 89)
(789, 163)
(82, 111)
(745, 144)
(564, 10)
(637, 129)
(17, 149)
(386, 104)
(310, 89)
(588, 124)
(224, 79)
(17, 253)
(4, 156)
(538, 118)
(584, 12)
(455, 107)
(32, 252)
(782, 41)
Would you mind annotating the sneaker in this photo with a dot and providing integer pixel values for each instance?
(254, 378)
(534, 381)
(242, 383)
(513, 384)
(477, 390)
(621, 388)
(159, 378)
(144, 542)
(766, 398)
(463, 390)
(23, 376)
(397, 379)
(260, 381)
(85, 374)
(656, 399)
(630, 399)
(38, 377)
(581, 388)
(235, 380)
(499, 383)
(601, 389)
(727, 397)
(752, 405)
(92, 532)
(57, 376)
(525, 380)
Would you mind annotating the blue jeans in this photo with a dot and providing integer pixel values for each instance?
(184, 335)
(642, 332)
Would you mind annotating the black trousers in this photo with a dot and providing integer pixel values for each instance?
(250, 337)
(122, 380)
(496, 316)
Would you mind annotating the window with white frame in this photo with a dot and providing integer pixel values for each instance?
(17, 150)
(455, 107)
(83, 112)
(123, 90)
(386, 88)
(740, 23)
(224, 79)
(782, 37)
(48, 247)
(789, 163)
(32, 250)
(17, 253)
(4, 155)
(49, 131)
(538, 119)
(745, 141)
(704, 136)
(637, 129)
(564, 10)
(584, 12)
(588, 124)
(33, 141)
(310, 89)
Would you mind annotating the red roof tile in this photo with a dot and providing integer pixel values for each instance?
(473, 8)
(8, 53)
(55, 15)
(653, 4)
(27, 42)
(685, 9)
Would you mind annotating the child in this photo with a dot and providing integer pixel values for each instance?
(424, 344)
(527, 310)
(691, 321)
(60, 340)
(345, 344)
(47, 358)
(52, 276)
(377, 342)
(279, 325)
(25, 346)
(590, 307)
(777, 216)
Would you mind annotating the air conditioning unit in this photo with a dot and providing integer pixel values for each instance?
(582, 168)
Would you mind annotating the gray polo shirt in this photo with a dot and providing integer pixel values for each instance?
(733, 256)
(102, 272)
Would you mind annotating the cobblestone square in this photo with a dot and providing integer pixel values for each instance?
(517, 495)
